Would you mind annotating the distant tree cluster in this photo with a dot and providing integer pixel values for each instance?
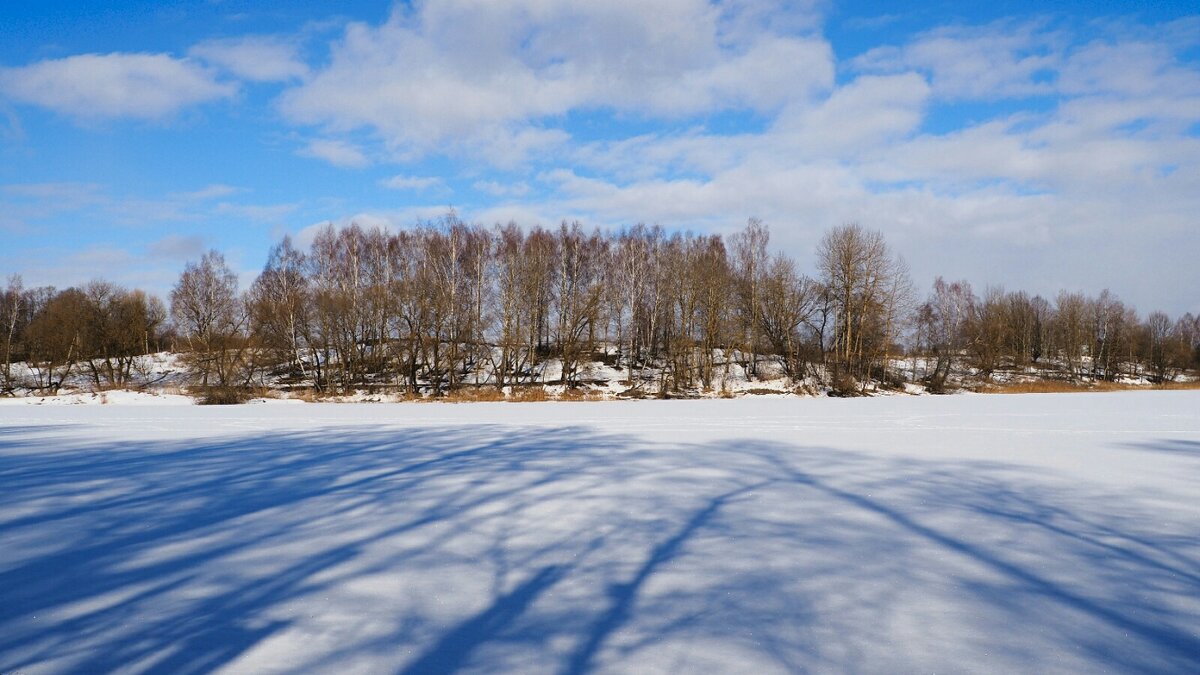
(98, 330)
(446, 305)
(1074, 337)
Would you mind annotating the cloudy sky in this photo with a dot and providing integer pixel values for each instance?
(1006, 145)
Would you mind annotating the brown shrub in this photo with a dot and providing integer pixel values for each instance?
(224, 396)
(844, 385)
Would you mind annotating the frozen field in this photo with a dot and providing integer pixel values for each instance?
(1036, 533)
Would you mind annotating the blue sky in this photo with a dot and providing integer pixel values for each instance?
(996, 142)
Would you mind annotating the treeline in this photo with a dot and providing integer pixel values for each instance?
(1075, 337)
(99, 330)
(447, 305)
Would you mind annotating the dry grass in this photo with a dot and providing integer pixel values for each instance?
(223, 396)
(762, 391)
(580, 395)
(267, 392)
(1066, 386)
(1040, 387)
(1173, 386)
(306, 395)
(572, 395)
(479, 394)
(530, 394)
(805, 390)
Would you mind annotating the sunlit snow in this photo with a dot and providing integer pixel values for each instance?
(1035, 533)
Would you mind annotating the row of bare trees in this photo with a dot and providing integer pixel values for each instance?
(1074, 337)
(449, 304)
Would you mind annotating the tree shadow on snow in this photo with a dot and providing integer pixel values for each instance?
(1172, 446)
(487, 548)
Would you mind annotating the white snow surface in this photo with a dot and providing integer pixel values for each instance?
(1035, 533)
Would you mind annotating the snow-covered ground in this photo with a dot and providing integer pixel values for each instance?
(1035, 533)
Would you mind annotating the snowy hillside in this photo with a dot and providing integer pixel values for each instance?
(162, 378)
(1056, 533)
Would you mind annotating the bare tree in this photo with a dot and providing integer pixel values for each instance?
(118, 327)
(54, 337)
(279, 304)
(750, 257)
(1169, 345)
(942, 325)
(638, 275)
(1110, 325)
(1070, 331)
(1022, 337)
(509, 358)
(12, 304)
(711, 277)
(787, 302)
(987, 330)
(539, 274)
(864, 283)
(1188, 329)
(896, 306)
(211, 318)
(579, 295)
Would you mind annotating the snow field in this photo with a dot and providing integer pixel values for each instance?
(1034, 533)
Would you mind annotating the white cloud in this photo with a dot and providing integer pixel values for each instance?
(54, 267)
(58, 191)
(861, 115)
(502, 189)
(254, 57)
(1003, 59)
(1064, 197)
(177, 247)
(99, 86)
(417, 183)
(1084, 233)
(871, 23)
(472, 74)
(11, 129)
(24, 204)
(214, 191)
(265, 213)
(337, 153)
(389, 220)
(512, 147)
(522, 214)
(1127, 68)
